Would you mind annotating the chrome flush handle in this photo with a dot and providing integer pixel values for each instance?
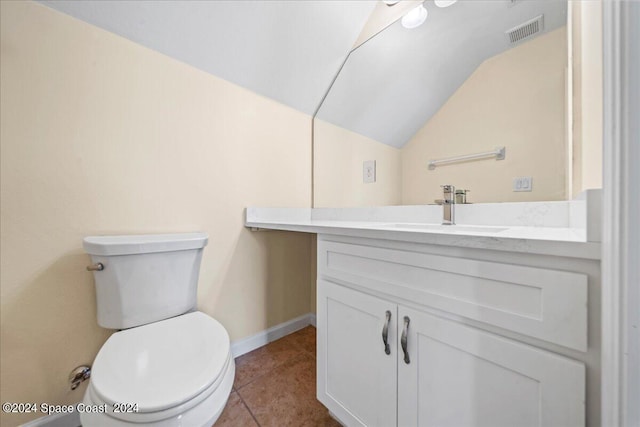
(385, 333)
(95, 267)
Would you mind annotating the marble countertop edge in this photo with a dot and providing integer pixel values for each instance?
(556, 241)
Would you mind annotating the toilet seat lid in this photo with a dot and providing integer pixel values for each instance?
(162, 364)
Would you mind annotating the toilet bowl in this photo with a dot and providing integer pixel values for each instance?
(176, 372)
(168, 365)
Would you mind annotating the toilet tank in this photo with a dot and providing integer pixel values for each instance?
(146, 278)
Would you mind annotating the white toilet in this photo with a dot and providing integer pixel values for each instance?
(169, 365)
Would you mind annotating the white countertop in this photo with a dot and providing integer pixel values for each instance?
(560, 229)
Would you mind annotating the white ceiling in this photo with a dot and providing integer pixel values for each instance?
(289, 51)
(393, 84)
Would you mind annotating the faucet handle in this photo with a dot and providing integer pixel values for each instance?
(448, 188)
(461, 196)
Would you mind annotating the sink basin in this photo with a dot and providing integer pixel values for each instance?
(448, 228)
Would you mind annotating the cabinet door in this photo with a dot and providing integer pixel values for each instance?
(356, 377)
(461, 376)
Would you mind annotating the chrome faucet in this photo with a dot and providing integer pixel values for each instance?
(448, 204)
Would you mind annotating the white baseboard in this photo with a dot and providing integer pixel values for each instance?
(245, 345)
(56, 420)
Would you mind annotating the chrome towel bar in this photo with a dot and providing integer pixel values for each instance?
(498, 153)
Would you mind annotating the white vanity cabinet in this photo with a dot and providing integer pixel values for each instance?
(359, 379)
(458, 375)
(443, 367)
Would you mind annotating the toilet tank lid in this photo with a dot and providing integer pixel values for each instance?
(144, 243)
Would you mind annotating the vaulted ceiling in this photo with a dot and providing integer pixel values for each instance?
(393, 84)
(290, 51)
(286, 50)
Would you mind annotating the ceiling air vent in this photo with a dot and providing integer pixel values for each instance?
(526, 30)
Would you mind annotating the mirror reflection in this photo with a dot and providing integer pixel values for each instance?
(474, 77)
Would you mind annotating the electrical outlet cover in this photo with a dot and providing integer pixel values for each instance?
(369, 171)
(523, 183)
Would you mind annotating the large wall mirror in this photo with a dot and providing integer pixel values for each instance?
(474, 77)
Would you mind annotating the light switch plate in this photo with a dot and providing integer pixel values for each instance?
(369, 171)
(523, 183)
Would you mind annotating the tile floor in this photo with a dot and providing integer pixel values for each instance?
(275, 385)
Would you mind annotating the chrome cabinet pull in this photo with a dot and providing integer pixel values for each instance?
(403, 339)
(385, 333)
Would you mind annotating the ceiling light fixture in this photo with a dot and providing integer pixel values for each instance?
(415, 17)
(444, 3)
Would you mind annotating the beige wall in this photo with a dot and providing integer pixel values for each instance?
(515, 99)
(586, 24)
(102, 136)
(338, 157)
